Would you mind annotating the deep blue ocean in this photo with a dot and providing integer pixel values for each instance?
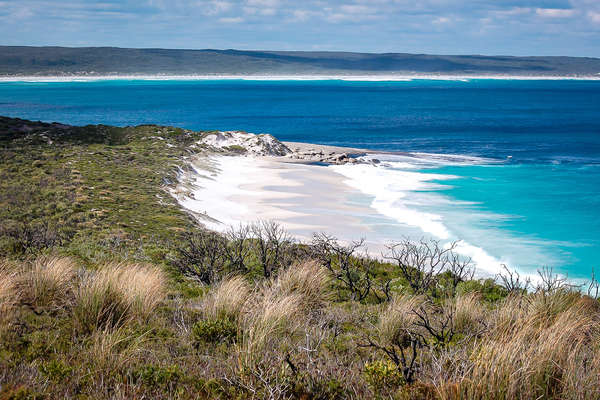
(527, 194)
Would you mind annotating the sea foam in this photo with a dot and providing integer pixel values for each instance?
(393, 183)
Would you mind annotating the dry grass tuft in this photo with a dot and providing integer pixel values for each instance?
(309, 280)
(398, 318)
(271, 318)
(142, 286)
(545, 306)
(118, 293)
(547, 351)
(49, 282)
(112, 349)
(227, 299)
(9, 294)
(469, 314)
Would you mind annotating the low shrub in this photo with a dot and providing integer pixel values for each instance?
(214, 330)
(383, 374)
(55, 370)
(157, 377)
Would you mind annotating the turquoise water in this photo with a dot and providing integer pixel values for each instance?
(520, 178)
(546, 214)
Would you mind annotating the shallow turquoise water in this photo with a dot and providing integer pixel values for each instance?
(547, 209)
(529, 193)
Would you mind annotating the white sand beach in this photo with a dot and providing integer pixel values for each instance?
(351, 78)
(304, 198)
(307, 198)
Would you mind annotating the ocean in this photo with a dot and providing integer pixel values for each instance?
(510, 167)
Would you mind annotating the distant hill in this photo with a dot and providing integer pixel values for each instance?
(21, 60)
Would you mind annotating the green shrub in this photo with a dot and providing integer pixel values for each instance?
(55, 370)
(383, 373)
(489, 290)
(159, 377)
(19, 393)
(306, 387)
(214, 330)
(236, 149)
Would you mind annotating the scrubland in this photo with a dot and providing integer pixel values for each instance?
(109, 291)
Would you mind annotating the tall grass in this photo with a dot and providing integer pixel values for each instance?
(142, 286)
(112, 349)
(270, 318)
(227, 299)
(398, 318)
(49, 282)
(469, 314)
(309, 280)
(118, 293)
(550, 350)
(9, 279)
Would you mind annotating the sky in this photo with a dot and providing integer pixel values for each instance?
(491, 27)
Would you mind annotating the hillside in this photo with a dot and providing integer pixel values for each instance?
(17, 60)
(108, 290)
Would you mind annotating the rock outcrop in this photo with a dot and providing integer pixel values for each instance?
(267, 145)
(249, 143)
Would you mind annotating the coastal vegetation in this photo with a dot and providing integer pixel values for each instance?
(94, 61)
(108, 289)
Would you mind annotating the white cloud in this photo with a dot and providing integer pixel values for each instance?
(351, 13)
(302, 15)
(356, 9)
(342, 17)
(263, 3)
(22, 13)
(217, 7)
(441, 20)
(268, 11)
(554, 12)
(231, 20)
(512, 12)
(594, 16)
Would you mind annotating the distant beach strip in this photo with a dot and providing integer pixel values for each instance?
(350, 78)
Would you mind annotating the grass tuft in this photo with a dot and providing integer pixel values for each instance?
(398, 318)
(227, 299)
(9, 295)
(309, 280)
(116, 294)
(49, 282)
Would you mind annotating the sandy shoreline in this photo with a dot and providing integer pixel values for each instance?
(304, 197)
(379, 202)
(307, 198)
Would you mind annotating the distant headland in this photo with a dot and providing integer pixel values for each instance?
(114, 61)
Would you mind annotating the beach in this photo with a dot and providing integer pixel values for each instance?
(303, 196)
(313, 77)
(348, 200)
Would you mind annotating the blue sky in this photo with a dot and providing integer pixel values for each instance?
(529, 27)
